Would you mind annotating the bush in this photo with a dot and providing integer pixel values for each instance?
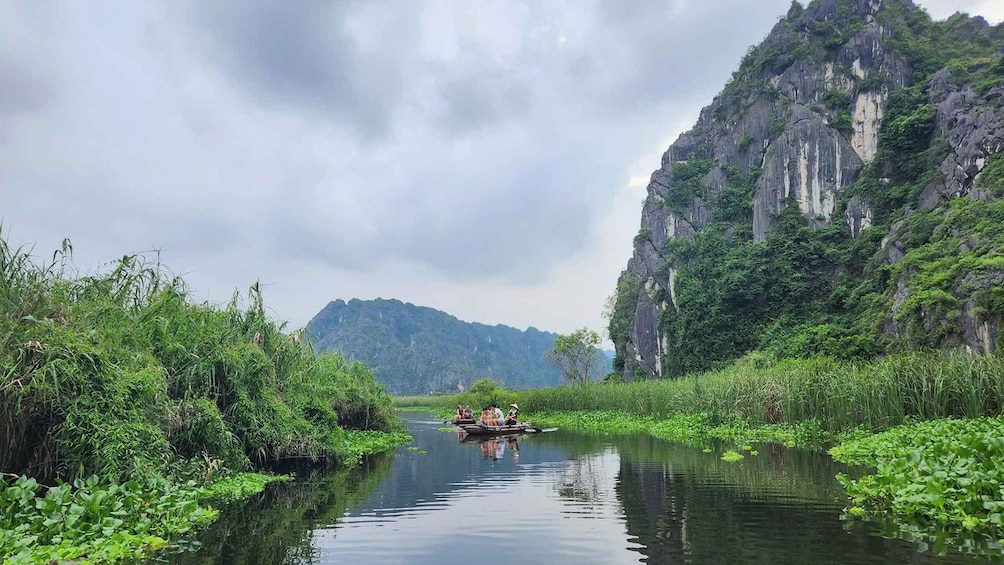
(118, 374)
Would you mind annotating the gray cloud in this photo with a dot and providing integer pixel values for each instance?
(305, 57)
(427, 150)
(20, 91)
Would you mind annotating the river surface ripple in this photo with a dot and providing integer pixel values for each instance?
(559, 498)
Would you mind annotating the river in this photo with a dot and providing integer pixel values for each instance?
(558, 497)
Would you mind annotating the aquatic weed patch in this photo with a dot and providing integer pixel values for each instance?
(365, 442)
(687, 429)
(732, 456)
(931, 477)
(683, 428)
(600, 421)
(93, 522)
(240, 486)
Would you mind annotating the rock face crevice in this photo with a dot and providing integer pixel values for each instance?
(797, 125)
(809, 162)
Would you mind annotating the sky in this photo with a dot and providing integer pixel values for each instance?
(487, 158)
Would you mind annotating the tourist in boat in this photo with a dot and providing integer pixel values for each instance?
(468, 413)
(497, 412)
(459, 415)
(488, 417)
(512, 418)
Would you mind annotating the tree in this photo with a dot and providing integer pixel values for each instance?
(576, 355)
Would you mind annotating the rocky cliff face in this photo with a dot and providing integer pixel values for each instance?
(802, 123)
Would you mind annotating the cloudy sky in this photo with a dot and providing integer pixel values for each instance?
(485, 158)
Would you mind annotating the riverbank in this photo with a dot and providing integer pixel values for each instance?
(837, 396)
(122, 375)
(875, 415)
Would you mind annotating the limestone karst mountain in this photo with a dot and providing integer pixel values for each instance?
(839, 196)
(419, 350)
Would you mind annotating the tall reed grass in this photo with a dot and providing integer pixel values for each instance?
(837, 395)
(121, 374)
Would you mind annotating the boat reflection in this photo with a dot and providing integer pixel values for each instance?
(493, 447)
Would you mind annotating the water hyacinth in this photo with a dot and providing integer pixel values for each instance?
(940, 474)
(103, 523)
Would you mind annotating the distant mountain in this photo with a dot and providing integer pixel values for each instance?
(419, 350)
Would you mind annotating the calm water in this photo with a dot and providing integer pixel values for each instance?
(557, 498)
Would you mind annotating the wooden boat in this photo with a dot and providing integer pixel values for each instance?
(483, 430)
(463, 421)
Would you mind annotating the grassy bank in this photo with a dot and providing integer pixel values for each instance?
(121, 375)
(836, 396)
(925, 424)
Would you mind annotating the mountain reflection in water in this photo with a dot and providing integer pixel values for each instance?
(556, 498)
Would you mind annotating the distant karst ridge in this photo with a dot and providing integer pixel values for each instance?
(419, 350)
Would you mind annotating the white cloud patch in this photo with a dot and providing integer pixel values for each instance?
(484, 158)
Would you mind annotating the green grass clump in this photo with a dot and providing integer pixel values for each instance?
(938, 475)
(805, 399)
(120, 374)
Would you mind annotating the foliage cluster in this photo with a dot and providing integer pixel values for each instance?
(932, 476)
(957, 250)
(620, 314)
(102, 523)
(688, 182)
(735, 295)
(119, 374)
(577, 356)
(991, 177)
(734, 202)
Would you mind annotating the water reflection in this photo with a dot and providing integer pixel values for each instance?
(277, 526)
(556, 498)
(493, 447)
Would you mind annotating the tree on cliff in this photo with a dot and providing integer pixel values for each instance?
(576, 355)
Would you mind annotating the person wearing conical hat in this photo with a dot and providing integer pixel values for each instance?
(512, 418)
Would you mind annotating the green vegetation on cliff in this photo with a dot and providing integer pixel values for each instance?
(922, 266)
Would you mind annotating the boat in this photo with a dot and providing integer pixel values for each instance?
(483, 430)
(461, 422)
